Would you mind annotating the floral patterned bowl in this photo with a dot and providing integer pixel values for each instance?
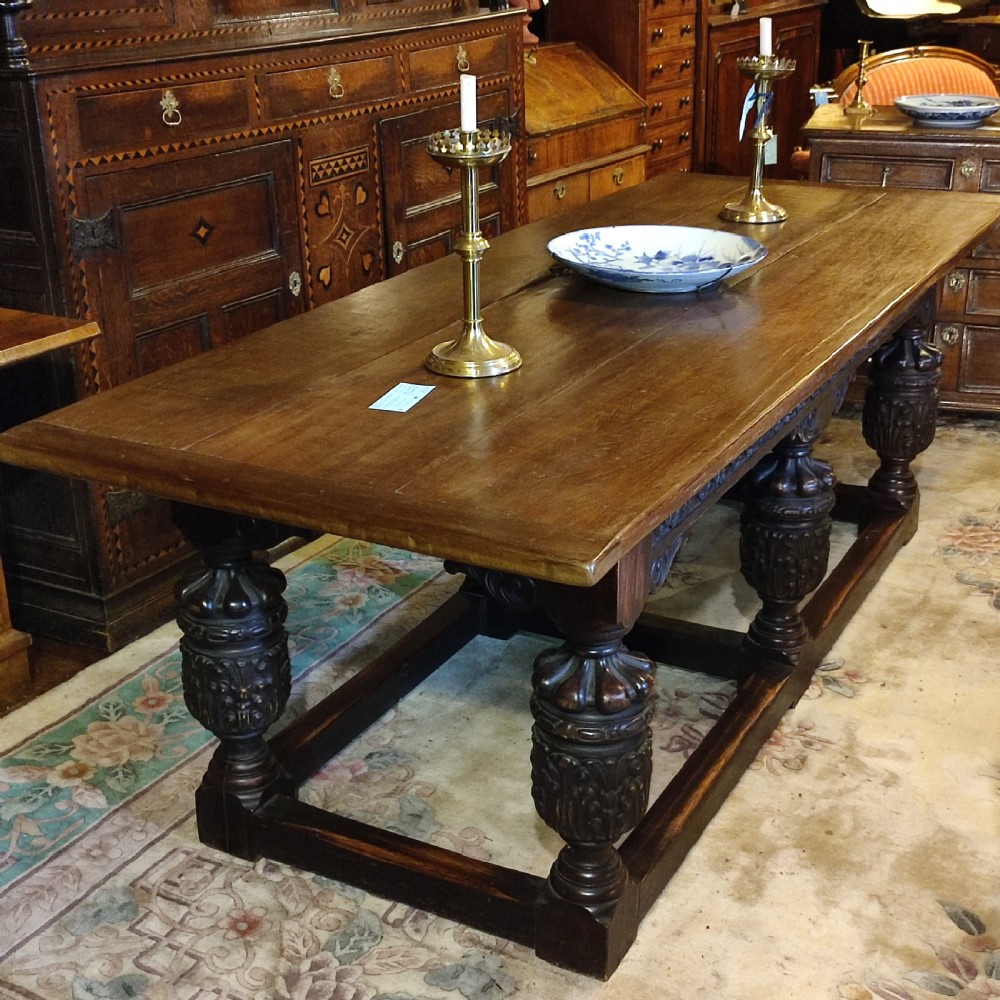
(656, 258)
(948, 110)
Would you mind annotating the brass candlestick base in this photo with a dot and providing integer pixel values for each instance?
(754, 207)
(859, 109)
(473, 354)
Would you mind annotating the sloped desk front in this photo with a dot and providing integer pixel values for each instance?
(563, 491)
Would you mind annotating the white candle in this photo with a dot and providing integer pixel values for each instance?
(467, 96)
(765, 36)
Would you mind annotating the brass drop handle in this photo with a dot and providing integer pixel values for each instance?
(334, 83)
(656, 108)
(683, 137)
(618, 175)
(956, 281)
(657, 69)
(657, 144)
(559, 190)
(657, 34)
(950, 335)
(885, 176)
(685, 101)
(685, 64)
(171, 109)
(968, 168)
(686, 29)
(532, 155)
(462, 59)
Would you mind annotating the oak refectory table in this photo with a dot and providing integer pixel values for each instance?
(562, 491)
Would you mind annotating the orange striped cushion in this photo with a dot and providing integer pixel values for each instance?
(923, 75)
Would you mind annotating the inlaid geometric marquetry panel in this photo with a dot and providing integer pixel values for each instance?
(324, 169)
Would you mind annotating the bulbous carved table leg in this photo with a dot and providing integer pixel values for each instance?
(785, 538)
(235, 667)
(900, 411)
(590, 765)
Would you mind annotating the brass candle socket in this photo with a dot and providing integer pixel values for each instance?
(754, 207)
(473, 354)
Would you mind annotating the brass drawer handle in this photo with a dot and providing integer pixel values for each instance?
(885, 176)
(559, 191)
(685, 101)
(171, 109)
(685, 64)
(657, 35)
(618, 175)
(334, 83)
(656, 108)
(956, 281)
(657, 69)
(657, 145)
(462, 59)
(683, 137)
(950, 335)
(686, 29)
(968, 168)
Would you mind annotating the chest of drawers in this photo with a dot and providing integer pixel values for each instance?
(890, 151)
(188, 173)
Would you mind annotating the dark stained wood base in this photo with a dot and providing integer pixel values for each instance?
(517, 905)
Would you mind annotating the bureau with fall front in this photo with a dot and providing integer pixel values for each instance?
(889, 150)
(191, 171)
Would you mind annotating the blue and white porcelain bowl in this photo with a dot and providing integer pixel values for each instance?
(948, 110)
(656, 258)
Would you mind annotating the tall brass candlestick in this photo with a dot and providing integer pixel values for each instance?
(859, 109)
(473, 354)
(754, 207)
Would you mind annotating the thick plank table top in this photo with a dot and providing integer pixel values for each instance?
(25, 335)
(626, 405)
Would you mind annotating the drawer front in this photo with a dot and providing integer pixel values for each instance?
(970, 292)
(989, 177)
(556, 196)
(669, 141)
(665, 67)
(167, 113)
(617, 176)
(671, 32)
(294, 92)
(659, 9)
(681, 163)
(441, 65)
(888, 172)
(567, 149)
(971, 361)
(670, 104)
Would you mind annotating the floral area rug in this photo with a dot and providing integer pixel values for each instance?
(858, 858)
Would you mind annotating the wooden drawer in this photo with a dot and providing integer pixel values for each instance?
(669, 141)
(970, 291)
(671, 32)
(565, 149)
(887, 171)
(970, 363)
(665, 67)
(670, 104)
(659, 9)
(617, 176)
(557, 195)
(123, 120)
(679, 163)
(441, 65)
(327, 88)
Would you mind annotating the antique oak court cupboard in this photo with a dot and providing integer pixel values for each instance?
(188, 171)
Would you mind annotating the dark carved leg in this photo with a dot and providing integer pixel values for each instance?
(785, 538)
(235, 666)
(900, 410)
(591, 764)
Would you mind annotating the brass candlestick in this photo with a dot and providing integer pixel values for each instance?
(473, 354)
(754, 207)
(859, 109)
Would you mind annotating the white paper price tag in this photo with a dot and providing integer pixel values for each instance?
(402, 397)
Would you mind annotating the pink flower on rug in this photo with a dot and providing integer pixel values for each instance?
(245, 924)
(366, 569)
(111, 744)
(154, 699)
(73, 772)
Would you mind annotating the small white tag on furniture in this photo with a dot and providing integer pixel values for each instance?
(402, 397)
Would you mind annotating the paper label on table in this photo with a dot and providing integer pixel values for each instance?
(771, 150)
(402, 397)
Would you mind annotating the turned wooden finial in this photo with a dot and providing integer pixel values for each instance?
(13, 49)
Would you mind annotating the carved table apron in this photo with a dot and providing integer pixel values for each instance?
(563, 491)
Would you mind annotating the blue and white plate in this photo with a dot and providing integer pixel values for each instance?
(948, 110)
(656, 258)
